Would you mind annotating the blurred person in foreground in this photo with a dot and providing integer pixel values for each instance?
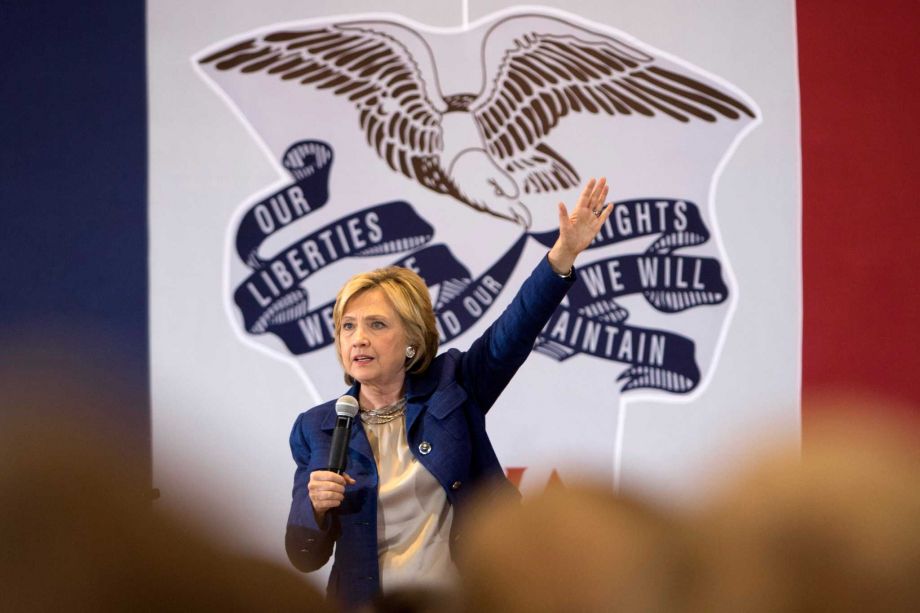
(573, 549)
(836, 529)
(420, 445)
(79, 531)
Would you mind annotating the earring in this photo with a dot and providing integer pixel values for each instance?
(410, 352)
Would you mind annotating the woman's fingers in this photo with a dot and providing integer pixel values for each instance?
(593, 195)
(327, 489)
(325, 486)
(584, 198)
(563, 214)
(578, 228)
(326, 500)
(597, 189)
(605, 213)
(327, 475)
(599, 194)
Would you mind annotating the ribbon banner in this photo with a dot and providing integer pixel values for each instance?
(593, 321)
(669, 283)
(678, 223)
(273, 299)
(309, 162)
(657, 359)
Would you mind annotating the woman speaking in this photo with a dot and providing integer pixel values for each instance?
(419, 446)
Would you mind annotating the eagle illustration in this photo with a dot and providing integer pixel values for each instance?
(483, 149)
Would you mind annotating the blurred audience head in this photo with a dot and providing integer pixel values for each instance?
(78, 526)
(417, 599)
(835, 529)
(571, 549)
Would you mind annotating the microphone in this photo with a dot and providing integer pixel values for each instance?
(346, 408)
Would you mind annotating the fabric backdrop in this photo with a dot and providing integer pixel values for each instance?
(282, 161)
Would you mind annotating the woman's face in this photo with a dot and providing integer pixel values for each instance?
(373, 340)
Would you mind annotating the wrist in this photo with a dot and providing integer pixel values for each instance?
(561, 263)
(563, 267)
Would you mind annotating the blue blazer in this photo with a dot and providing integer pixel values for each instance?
(445, 426)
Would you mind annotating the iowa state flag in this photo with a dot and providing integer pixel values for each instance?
(292, 145)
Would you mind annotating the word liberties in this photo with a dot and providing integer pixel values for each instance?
(296, 263)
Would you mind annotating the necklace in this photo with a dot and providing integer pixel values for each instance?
(384, 415)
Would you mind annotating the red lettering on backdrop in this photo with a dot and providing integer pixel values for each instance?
(516, 473)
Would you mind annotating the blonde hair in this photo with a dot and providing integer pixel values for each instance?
(408, 294)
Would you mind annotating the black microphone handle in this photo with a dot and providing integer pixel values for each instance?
(338, 453)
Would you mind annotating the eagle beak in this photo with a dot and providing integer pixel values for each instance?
(521, 215)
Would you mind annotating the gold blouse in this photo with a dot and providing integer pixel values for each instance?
(413, 515)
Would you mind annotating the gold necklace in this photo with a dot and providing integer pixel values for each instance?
(385, 414)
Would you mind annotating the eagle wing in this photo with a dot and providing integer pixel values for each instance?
(371, 69)
(544, 77)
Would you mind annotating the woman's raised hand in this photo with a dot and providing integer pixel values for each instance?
(578, 229)
(327, 491)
